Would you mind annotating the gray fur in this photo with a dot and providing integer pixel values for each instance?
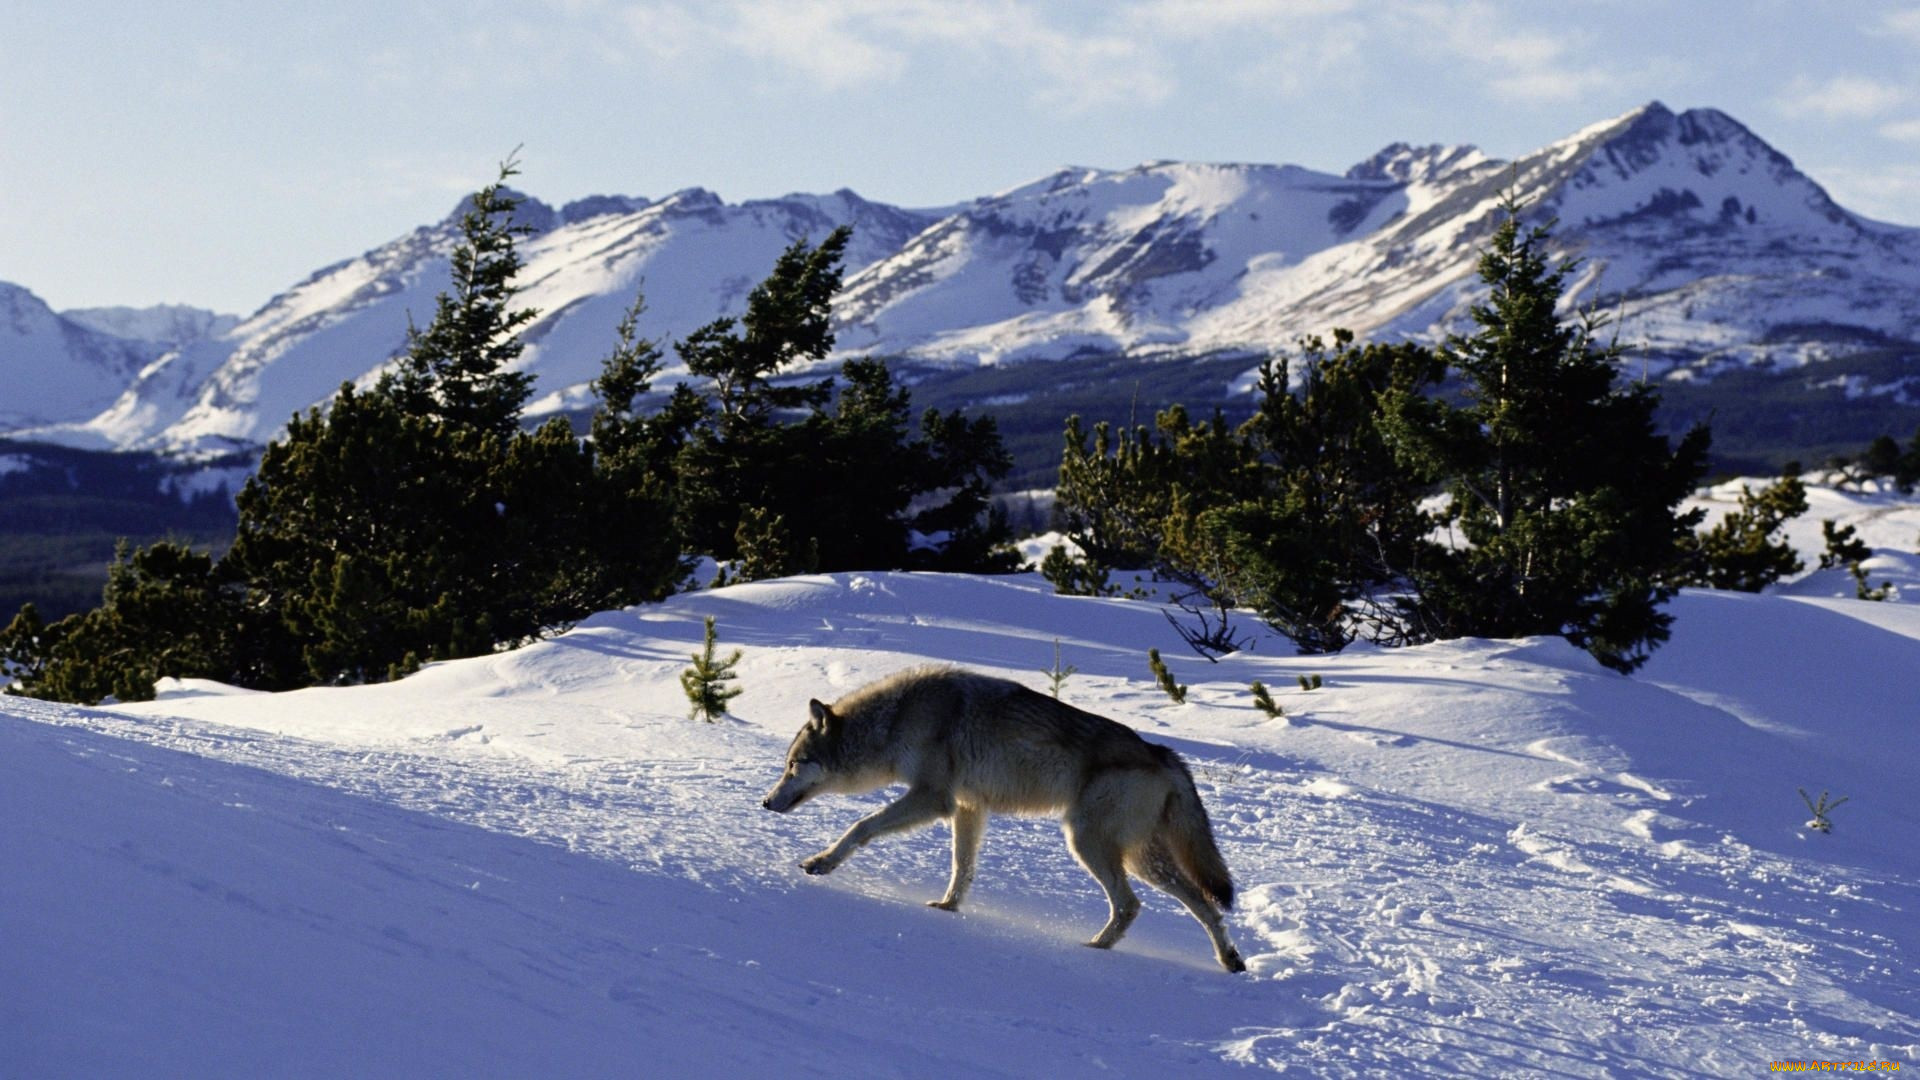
(967, 744)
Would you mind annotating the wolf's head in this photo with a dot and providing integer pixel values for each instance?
(807, 760)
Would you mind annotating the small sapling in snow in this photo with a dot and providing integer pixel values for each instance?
(706, 681)
(1263, 701)
(1058, 675)
(1164, 678)
(1820, 822)
(1310, 682)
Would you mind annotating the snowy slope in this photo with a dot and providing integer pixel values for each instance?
(166, 325)
(697, 255)
(1471, 857)
(1708, 247)
(54, 369)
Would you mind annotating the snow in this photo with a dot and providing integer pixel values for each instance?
(1474, 856)
(1885, 521)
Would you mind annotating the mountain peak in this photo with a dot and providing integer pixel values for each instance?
(531, 213)
(593, 206)
(1405, 163)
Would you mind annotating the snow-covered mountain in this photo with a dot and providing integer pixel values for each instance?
(170, 325)
(1704, 243)
(55, 368)
(697, 255)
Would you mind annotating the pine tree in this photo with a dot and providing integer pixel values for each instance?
(1075, 577)
(1163, 678)
(166, 611)
(1563, 489)
(1338, 519)
(1263, 700)
(459, 369)
(414, 521)
(1057, 675)
(1744, 551)
(1843, 545)
(1845, 548)
(705, 682)
(832, 461)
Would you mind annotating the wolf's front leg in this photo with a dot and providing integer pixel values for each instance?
(919, 806)
(969, 822)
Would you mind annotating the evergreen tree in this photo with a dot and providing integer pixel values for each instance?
(1305, 513)
(1744, 550)
(1163, 678)
(1845, 548)
(1263, 700)
(1116, 496)
(1338, 520)
(635, 549)
(1565, 493)
(166, 611)
(459, 369)
(705, 682)
(1058, 674)
(414, 521)
(364, 533)
(824, 474)
(1075, 576)
(1843, 545)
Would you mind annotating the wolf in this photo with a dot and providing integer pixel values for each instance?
(967, 744)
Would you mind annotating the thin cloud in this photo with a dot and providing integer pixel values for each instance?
(1902, 130)
(1203, 19)
(1842, 97)
(839, 45)
(1904, 23)
(1883, 192)
(1520, 64)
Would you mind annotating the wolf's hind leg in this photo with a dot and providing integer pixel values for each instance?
(1101, 856)
(1157, 868)
(969, 823)
(917, 807)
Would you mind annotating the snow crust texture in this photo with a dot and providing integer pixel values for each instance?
(1465, 858)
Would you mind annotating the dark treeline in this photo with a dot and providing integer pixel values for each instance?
(416, 520)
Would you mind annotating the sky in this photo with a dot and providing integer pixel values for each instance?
(215, 153)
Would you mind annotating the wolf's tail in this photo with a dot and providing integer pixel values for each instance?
(1189, 836)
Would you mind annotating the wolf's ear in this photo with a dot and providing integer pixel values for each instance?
(820, 714)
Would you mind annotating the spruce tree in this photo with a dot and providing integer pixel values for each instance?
(635, 547)
(414, 521)
(705, 682)
(166, 611)
(1744, 550)
(1566, 494)
(1058, 674)
(459, 369)
(825, 474)
(1163, 678)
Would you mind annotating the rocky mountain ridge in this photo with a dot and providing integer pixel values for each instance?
(1706, 247)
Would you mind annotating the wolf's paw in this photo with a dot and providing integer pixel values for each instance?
(817, 865)
(945, 905)
(1233, 963)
